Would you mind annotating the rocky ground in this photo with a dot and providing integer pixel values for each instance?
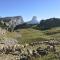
(8, 57)
(17, 57)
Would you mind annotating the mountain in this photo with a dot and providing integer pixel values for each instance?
(12, 20)
(33, 21)
(49, 23)
(17, 20)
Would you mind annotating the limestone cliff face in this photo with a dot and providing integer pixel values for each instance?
(15, 20)
(18, 20)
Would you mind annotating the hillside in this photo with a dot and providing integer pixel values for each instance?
(49, 23)
(27, 34)
(30, 35)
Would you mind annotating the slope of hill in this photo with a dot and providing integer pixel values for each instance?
(49, 23)
(27, 35)
(30, 35)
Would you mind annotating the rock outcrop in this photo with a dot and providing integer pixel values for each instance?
(15, 20)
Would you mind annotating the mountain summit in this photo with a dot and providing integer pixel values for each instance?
(33, 21)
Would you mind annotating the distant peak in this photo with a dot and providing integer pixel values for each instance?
(33, 21)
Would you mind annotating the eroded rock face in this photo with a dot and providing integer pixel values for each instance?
(16, 20)
(9, 21)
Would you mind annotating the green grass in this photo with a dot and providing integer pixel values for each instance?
(31, 35)
(27, 35)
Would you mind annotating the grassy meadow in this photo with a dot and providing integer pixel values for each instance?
(29, 35)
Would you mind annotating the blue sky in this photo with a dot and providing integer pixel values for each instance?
(28, 8)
